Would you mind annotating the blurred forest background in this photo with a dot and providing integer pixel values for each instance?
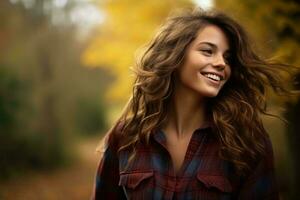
(65, 76)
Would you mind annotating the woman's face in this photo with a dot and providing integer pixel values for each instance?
(205, 69)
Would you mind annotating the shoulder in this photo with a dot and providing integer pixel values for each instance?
(268, 156)
(114, 136)
(268, 145)
(265, 162)
(261, 183)
(267, 148)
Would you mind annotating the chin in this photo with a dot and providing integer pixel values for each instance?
(210, 94)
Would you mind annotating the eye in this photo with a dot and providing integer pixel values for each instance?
(206, 52)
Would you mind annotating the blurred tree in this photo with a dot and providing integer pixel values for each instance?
(275, 25)
(90, 116)
(128, 25)
(12, 92)
(42, 83)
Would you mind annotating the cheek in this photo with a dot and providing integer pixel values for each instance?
(186, 71)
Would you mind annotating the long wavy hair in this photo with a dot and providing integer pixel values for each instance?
(235, 111)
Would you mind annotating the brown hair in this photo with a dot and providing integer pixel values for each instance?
(235, 111)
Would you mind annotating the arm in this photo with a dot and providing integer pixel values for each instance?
(107, 176)
(261, 183)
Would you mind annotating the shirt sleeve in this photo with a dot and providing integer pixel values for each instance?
(107, 176)
(261, 183)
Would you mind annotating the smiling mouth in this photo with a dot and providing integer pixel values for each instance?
(212, 76)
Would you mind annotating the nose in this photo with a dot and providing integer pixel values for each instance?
(219, 62)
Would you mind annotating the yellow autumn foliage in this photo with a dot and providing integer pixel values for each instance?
(128, 25)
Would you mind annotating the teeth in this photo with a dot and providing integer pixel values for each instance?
(213, 76)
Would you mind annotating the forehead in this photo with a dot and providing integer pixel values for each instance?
(212, 34)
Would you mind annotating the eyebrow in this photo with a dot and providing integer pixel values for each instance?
(213, 46)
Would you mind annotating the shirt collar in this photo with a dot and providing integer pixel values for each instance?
(160, 137)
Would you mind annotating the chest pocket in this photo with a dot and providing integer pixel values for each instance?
(137, 184)
(217, 183)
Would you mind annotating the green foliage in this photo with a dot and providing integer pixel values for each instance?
(41, 84)
(10, 104)
(10, 101)
(90, 116)
(20, 147)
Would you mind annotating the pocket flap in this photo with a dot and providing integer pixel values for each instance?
(133, 179)
(216, 181)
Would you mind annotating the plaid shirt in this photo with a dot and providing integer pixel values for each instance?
(203, 174)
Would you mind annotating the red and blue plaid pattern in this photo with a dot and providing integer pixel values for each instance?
(203, 174)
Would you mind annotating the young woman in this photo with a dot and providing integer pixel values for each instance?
(192, 129)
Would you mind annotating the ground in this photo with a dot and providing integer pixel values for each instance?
(74, 182)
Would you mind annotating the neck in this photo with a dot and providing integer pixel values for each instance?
(187, 113)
